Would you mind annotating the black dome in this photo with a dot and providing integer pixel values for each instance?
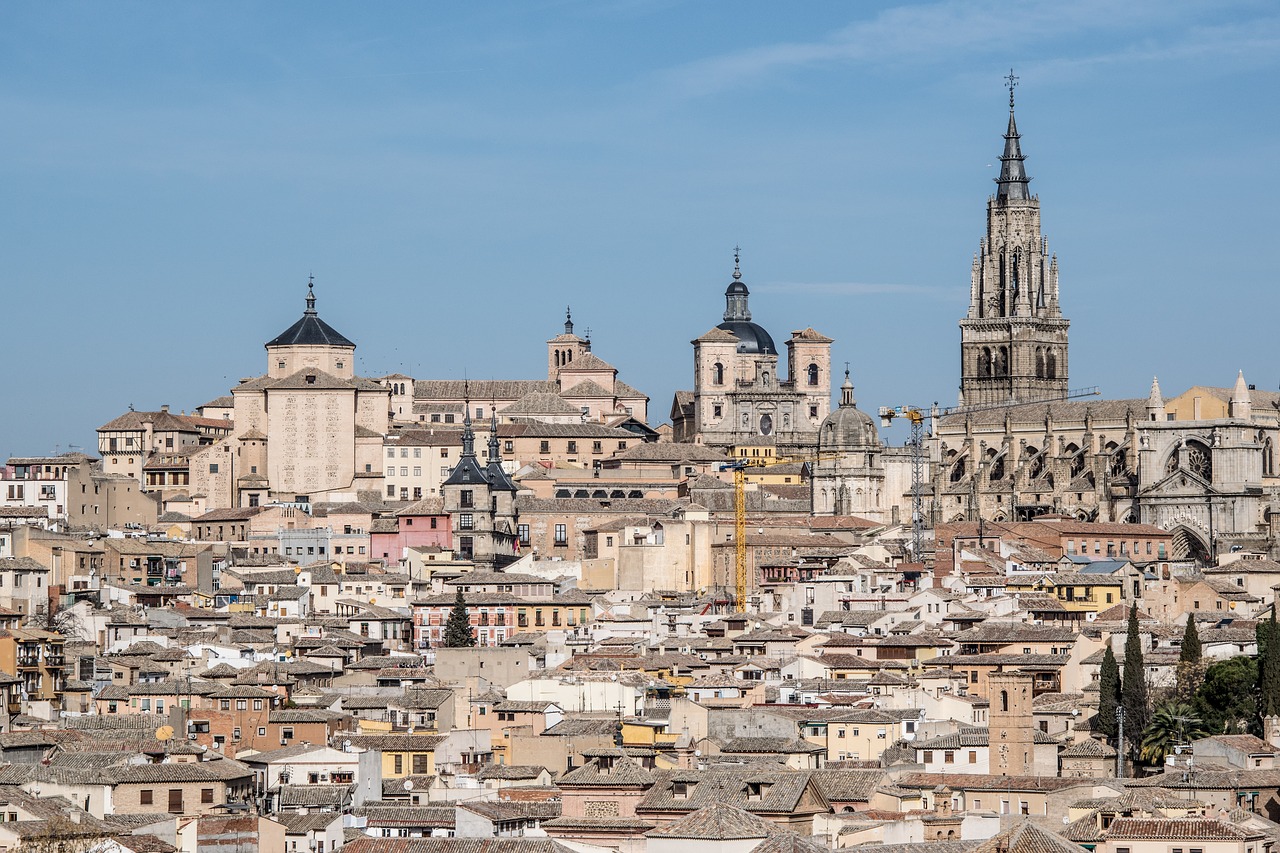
(310, 331)
(751, 336)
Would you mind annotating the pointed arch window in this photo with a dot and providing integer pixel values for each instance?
(1039, 362)
(1051, 365)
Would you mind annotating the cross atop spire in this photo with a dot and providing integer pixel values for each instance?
(568, 321)
(1013, 178)
(311, 294)
(737, 272)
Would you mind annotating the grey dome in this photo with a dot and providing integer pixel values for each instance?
(846, 427)
(751, 336)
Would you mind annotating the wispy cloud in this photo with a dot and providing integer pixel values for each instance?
(942, 31)
(858, 288)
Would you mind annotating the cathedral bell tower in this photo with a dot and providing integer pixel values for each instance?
(1013, 342)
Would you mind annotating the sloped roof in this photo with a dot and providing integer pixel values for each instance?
(310, 330)
(718, 821)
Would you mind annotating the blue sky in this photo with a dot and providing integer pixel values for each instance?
(454, 174)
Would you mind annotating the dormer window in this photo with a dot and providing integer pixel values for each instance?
(680, 790)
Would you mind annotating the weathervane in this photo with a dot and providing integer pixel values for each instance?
(1013, 84)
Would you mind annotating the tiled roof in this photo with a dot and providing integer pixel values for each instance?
(718, 821)
(781, 790)
(1176, 829)
(624, 772)
(1088, 748)
(1026, 837)
(455, 845)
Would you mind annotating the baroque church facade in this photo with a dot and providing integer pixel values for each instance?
(1201, 465)
(739, 394)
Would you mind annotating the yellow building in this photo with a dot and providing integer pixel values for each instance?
(402, 754)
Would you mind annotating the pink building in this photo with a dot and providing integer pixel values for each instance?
(418, 525)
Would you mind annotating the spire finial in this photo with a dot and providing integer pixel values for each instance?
(737, 272)
(1013, 178)
(846, 389)
(468, 436)
(311, 294)
(568, 321)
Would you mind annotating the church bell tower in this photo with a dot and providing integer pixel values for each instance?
(1013, 341)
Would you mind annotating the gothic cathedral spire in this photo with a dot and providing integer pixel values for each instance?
(1013, 341)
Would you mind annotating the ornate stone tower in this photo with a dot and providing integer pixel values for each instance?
(1013, 342)
(1012, 732)
(481, 502)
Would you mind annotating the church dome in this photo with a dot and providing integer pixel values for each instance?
(752, 338)
(848, 426)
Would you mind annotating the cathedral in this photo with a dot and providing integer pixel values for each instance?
(739, 395)
(1201, 465)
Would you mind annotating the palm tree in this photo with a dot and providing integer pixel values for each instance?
(1172, 723)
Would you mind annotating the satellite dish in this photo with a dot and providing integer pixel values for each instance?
(408, 784)
(164, 733)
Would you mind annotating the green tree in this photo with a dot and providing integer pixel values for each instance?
(1227, 697)
(457, 629)
(1191, 651)
(1133, 688)
(1190, 662)
(1268, 667)
(1108, 694)
(1173, 723)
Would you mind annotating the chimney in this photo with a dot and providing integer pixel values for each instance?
(165, 408)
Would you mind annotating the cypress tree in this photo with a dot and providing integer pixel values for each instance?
(1109, 693)
(1133, 689)
(1191, 668)
(457, 630)
(1191, 650)
(1268, 668)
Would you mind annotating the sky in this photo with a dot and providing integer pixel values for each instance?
(455, 174)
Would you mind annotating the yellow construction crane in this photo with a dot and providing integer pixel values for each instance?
(739, 468)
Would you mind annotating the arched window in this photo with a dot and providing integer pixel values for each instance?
(1004, 700)
(717, 374)
(557, 358)
(1051, 366)
(813, 374)
(1039, 362)
(1002, 362)
(984, 362)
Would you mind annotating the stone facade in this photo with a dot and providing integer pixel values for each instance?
(739, 392)
(1013, 342)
